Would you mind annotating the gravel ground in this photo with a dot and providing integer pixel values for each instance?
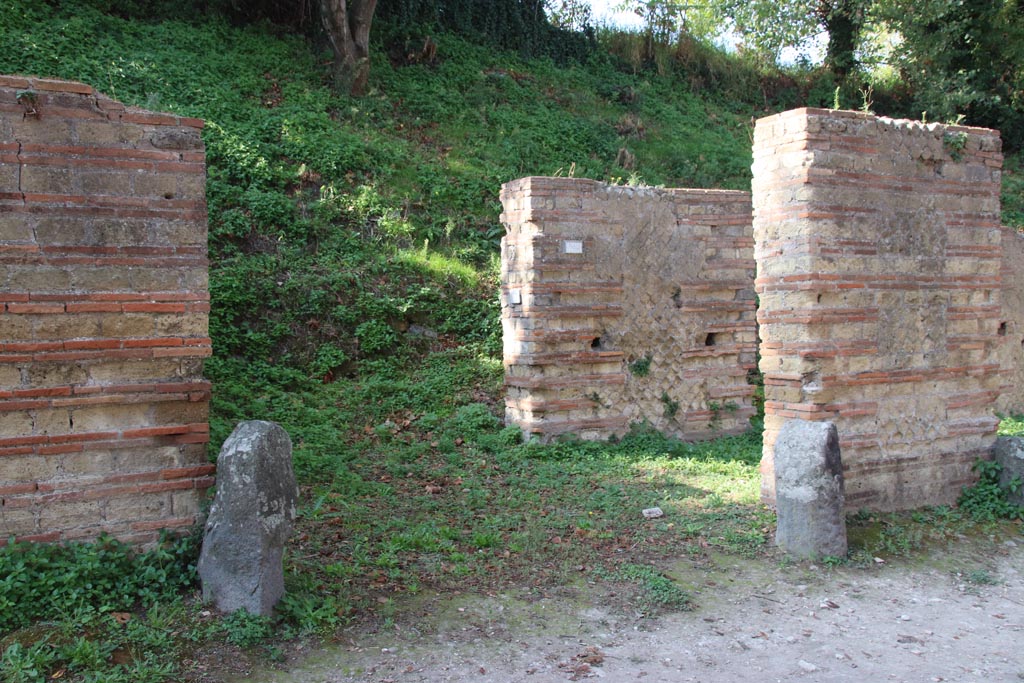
(955, 615)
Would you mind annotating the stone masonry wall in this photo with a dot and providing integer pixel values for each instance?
(879, 252)
(103, 316)
(624, 304)
(1011, 326)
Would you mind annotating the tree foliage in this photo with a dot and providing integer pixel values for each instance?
(522, 25)
(573, 15)
(961, 59)
(951, 60)
(766, 26)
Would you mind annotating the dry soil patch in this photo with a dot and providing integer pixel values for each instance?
(956, 615)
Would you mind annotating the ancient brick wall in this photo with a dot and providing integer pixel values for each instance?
(1011, 325)
(624, 304)
(103, 316)
(879, 252)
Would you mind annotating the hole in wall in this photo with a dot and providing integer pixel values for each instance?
(1002, 329)
(711, 339)
(595, 343)
(819, 298)
(168, 195)
(677, 297)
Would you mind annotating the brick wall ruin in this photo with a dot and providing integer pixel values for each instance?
(103, 325)
(1011, 325)
(879, 252)
(623, 304)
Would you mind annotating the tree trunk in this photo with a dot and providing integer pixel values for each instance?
(347, 24)
(843, 20)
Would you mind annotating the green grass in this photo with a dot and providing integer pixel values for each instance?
(409, 482)
(654, 591)
(456, 502)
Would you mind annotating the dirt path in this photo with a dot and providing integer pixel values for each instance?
(957, 615)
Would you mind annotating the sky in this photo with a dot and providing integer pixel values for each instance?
(604, 12)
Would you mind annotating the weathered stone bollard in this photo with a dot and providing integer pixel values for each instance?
(240, 566)
(1009, 452)
(809, 490)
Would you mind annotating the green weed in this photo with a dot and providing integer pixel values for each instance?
(39, 581)
(246, 630)
(20, 664)
(671, 407)
(1011, 425)
(654, 591)
(986, 500)
(641, 367)
(954, 144)
(982, 577)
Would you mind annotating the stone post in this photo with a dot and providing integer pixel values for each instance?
(241, 562)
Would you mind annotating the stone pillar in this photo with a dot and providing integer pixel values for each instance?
(878, 250)
(103, 316)
(241, 564)
(1009, 453)
(809, 490)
